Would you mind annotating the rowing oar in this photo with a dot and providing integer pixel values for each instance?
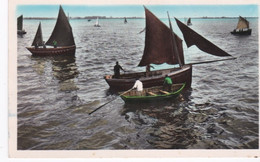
(204, 62)
(109, 102)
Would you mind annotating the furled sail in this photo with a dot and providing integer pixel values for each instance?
(193, 38)
(158, 43)
(242, 23)
(62, 32)
(38, 37)
(20, 23)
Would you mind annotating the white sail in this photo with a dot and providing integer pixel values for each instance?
(97, 23)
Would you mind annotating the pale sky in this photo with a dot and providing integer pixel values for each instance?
(138, 10)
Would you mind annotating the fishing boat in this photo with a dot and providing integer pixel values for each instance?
(125, 21)
(242, 27)
(60, 42)
(189, 22)
(162, 45)
(97, 23)
(20, 30)
(152, 94)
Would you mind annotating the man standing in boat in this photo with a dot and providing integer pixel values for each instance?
(167, 84)
(117, 68)
(139, 87)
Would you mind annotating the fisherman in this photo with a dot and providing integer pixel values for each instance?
(44, 46)
(36, 45)
(117, 68)
(139, 87)
(167, 84)
(148, 69)
(55, 44)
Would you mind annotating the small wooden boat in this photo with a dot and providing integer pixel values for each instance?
(62, 35)
(20, 30)
(152, 94)
(242, 27)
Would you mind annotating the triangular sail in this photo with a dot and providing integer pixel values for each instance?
(158, 43)
(189, 21)
(97, 23)
(193, 38)
(242, 23)
(62, 32)
(38, 37)
(20, 23)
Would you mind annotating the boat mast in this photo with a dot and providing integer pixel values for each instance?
(174, 42)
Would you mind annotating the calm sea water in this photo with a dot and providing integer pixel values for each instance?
(55, 94)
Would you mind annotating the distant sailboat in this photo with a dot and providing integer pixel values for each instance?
(162, 45)
(61, 38)
(20, 29)
(242, 27)
(125, 21)
(189, 22)
(97, 23)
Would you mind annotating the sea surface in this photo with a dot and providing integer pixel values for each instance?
(56, 94)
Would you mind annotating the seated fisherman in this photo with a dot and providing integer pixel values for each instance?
(139, 86)
(167, 84)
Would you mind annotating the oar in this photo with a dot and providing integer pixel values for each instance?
(108, 102)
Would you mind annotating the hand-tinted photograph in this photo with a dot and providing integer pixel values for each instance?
(137, 77)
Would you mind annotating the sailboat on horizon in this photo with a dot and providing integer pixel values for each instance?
(20, 30)
(61, 39)
(242, 27)
(189, 22)
(97, 23)
(162, 45)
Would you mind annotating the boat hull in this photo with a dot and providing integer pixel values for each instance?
(21, 32)
(68, 50)
(126, 81)
(145, 97)
(247, 32)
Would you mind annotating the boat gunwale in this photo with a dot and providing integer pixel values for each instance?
(173, 71)
(157, 96)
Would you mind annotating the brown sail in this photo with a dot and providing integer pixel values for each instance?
(62, 32)
(20, 23)
(193, 38)
(38, 37)
(242, 23)
(158, 47)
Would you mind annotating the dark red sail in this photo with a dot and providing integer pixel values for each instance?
(158, 43)
(38, 37)
(20, 23)
(62, 32)
(193, 38)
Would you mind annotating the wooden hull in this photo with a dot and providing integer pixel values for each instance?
(68, 50)
(153, 94)
(246, 32)
(156, 78)
(21, 32)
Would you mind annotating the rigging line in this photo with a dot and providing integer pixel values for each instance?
(205, 62)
